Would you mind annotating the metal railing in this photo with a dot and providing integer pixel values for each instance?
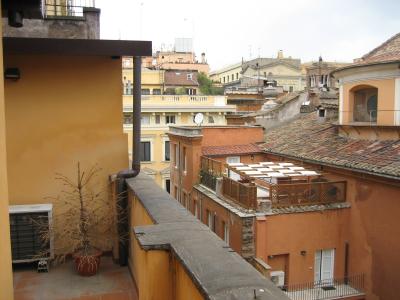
(314, 193)
(326, 289)
(208, 180)
(245, 194)
(66, 8)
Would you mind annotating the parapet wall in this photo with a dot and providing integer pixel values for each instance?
(86, 27)
(174, 256)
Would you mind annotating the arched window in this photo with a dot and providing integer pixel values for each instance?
(365, 106)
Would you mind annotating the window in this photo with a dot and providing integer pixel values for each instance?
(224, 79)
(184, 201)
(226, 232)
(166, 151)
(176, 153)
(169, 119)
(231, 160)
(211, 119)
(128, 88)
(157, 119)
(323, 266)
(145, 154)
(168, 185)
(156, 92)
(233, 77)
(321, 113)
(189, 76)
(210, 220)
(290, 89)
(191, 91)
(196, 213)
(145, 91)
(237, 76)
(127, 63)
(128, 119)
(184, 159)
(145, 119)
(365, 105)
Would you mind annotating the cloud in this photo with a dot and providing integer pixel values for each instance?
(229, 30)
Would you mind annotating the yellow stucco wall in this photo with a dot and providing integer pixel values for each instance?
(386, 98)
(157, 275)
(6, 281)
(184, 287)
(62, 110)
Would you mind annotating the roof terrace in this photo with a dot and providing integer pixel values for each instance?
(270, 184)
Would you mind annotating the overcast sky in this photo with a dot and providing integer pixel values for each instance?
(227, 30)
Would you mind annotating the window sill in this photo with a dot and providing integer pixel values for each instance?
(146, 162)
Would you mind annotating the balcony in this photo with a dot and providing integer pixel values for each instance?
(349, 287)
(181, 101)
(54, 9)
(271, 185)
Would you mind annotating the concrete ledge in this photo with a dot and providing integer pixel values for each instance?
(216, 270)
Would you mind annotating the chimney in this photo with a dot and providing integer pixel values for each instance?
(203, 58)
(280, 54)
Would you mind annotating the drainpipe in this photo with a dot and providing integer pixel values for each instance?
(122, 194)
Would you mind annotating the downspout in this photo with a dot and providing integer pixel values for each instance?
(122, 191)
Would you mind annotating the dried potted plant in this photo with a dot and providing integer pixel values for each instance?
(84, 221)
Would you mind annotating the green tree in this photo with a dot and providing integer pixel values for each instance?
(207, 87)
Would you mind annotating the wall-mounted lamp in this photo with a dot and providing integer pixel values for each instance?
(303, 252)
(12, 73)
(252, 157)
(270, 256)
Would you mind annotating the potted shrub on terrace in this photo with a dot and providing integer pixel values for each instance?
(84, 221)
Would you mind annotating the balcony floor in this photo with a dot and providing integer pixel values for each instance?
(62, 283)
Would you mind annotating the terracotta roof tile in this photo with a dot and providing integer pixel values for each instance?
(308, 138)
(180, 78)
(230, 150)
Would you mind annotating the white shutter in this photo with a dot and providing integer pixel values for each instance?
(231, 160)
(327, 265)
(317, 266)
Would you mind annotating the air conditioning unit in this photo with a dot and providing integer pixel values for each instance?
(27, 222)
(278, 278)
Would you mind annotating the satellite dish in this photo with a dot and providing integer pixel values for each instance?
(198, 118)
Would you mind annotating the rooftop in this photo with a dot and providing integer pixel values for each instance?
(309, 139)
(230, 150)
(181, 78)
(387, 52)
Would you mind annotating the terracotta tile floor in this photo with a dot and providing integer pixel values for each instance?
(62, 283)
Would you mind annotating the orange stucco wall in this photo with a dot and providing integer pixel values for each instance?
(231, 136)
(292, 233)
(205, 205)
(6, 283)
(386, 90)
(369, 226)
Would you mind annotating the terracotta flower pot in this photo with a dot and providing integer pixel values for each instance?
(87, 264)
